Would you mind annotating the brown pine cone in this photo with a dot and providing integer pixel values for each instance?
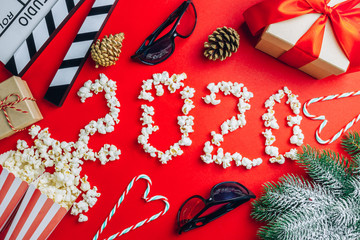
(221, 43)
(106, 52)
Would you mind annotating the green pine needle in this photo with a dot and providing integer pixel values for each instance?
(327, 168)
(351, 143)
(291, 192)
(326, 207)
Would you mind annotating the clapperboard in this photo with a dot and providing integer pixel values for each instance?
(17, 20)
(30, 47)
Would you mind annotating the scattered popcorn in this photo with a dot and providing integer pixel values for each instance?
(185, 141)
(298, 136)
(147, 84)
(217, 138)
(271, 122)
(246, 163)
(146, 96)
(236, 89)
(230, 125)
(21, 145)
(243, 106)
(159, 90)
(24, 163)
(164, 157)
(226, 87)
(292, 154)
(269, 138)
(188, 105)
(85, 185)
(246, 95)
(91, 196)
(237, 158)
(187, 93)
(207, 158)
(82, 218)
(185, 122)
(278, 159)
(211, 99)
(226, 160)
(257, 162)
(208, 148)
(213, 87)
(34, 131)
(64, 184)
(218, 158)
(294, 120)
(272, 151)
(148, 110)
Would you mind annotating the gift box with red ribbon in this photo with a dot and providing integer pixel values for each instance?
(18, 108)
(319, 37)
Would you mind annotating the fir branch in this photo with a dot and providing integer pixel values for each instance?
(345, 212)
(351, 143)
(302, 224)
(289, 194)
(327, 208)
(355, 165)
(353, 186)
(327, 168)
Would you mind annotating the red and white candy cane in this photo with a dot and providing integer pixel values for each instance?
(322, 117)
(145, 197)
(4, 104)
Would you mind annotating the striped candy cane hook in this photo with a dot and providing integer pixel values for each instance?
(145, 197)
(322, 117)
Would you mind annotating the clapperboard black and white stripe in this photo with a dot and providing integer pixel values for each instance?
(40, 37)
(78, 51)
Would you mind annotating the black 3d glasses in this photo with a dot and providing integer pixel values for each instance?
(155, 50)
(224, 197)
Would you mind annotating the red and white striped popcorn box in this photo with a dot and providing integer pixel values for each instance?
(12, 189)
(36, 217)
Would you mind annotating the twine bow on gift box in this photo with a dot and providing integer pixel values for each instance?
(5, 104)
(344, 19)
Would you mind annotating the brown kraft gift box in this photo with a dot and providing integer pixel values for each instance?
(18, 119)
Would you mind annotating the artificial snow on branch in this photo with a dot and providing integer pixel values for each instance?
(327, 206)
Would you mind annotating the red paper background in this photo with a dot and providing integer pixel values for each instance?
(186, 175)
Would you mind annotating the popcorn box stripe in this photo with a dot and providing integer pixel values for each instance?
(16, 226)
(3, 175)
(51, 220)
(12, 189)
(21, 209)
(12, 198)
(33, 214)
(37, 217)
(7, 184)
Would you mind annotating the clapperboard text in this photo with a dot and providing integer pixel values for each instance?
(22, 11)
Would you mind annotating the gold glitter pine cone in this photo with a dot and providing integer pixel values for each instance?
(106, 52)
(221, 43)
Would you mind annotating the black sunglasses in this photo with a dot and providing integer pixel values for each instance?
(224, 197)
(153, 50)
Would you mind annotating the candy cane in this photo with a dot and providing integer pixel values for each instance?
(322, 117)
(145, 197)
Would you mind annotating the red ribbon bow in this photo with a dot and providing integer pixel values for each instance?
(4, 104)
(344, 19)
